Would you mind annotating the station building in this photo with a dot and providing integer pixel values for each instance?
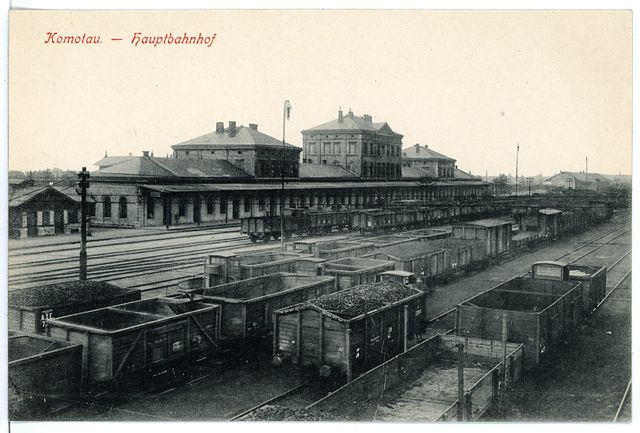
(207, 180)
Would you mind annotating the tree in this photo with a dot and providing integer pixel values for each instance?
(501, 184)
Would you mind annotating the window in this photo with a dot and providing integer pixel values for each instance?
(352, 147)
(106, 207)
(91, 208)
(210, 205)
(182, 208)
(239, 152)
(324, 162)
(239, 161)
(122, 207)
(247, 205)
(45, 217)
(187, 153)
(336, 148)
(311, 148)
(150, 207)
(223, 206)
(365, 148)
(327, 148)
(261, 204)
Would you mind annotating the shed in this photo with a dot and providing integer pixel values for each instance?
(42, 211)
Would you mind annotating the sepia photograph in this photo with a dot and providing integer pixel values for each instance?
(346, 216)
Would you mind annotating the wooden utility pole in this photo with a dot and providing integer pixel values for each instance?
(461, 399)
(83, 184)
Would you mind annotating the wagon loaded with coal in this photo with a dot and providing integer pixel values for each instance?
(346, 333)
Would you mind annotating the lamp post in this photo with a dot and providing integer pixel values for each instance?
(286, 114)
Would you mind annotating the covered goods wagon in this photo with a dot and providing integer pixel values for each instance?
(494, 233)
(351, 271)
(138, 336)
(247, 305)
(30, 308)
(349, 332)
(540, 313)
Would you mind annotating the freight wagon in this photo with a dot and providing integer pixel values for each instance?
(224, 267)
(247, 305)
(593, 279)
(352, 271)
(539, 314)
(460, 255)
(138, 337)
(344, 334)
(30, 308)
(421, 258)
(333, 249)
(495, 233)
(44, 366)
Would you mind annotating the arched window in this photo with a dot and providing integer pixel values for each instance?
(106, 207)
(122, 209)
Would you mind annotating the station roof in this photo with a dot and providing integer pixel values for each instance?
(26, 195)
(423, 152)
(351, 122)
(243, 136)
(168, 167)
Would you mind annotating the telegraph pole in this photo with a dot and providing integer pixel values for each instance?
(517, 154)
(286, 114)
(84, 184)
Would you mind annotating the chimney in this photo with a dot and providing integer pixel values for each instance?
(350, 113)
(367, 118)
(145, 154)
(417, 148)
(340, 116)
(253, 126)
(232, 128)
(219, 127)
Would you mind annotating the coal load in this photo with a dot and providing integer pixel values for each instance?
(64, 293)
(363, 298)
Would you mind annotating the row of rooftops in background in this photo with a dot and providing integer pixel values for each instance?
(239, 152)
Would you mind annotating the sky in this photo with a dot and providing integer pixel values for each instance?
(469, 84)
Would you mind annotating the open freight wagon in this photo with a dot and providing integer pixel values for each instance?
(225, 267)
(460, 255)
(419, 257)
(247, 306)
(47, 367)
(138, 336)
(351, 271)
(29, 309)
(593, 279)
(333, 249)
(540, 313)
(344, 334)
